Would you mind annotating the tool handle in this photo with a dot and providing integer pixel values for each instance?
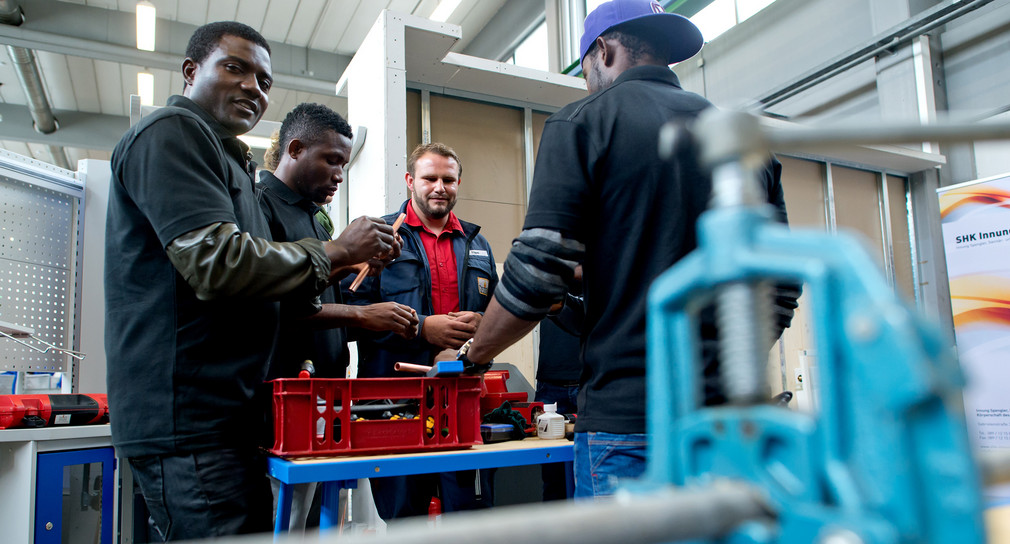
(364, 271)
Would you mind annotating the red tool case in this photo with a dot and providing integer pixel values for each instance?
(313, 416)
(52, 410)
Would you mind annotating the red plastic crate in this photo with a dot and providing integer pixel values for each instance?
(495, 392)
(312, 417)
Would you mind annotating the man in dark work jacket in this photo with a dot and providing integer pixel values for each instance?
(447, 273)
(602, 197)
(191, 279)
(314, 146)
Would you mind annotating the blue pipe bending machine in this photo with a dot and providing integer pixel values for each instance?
(886, 459)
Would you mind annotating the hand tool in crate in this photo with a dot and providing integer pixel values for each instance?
(494, 391)
(52, 410)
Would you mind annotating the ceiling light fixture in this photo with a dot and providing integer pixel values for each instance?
(444, 10)
(146, 16)
(145, 88)
(255, 142)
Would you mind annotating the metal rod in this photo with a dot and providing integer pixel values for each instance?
(49, 347)
(425, 116)
(410, 367)
(743, 313)
(887, 236)
(809, 138)
(923, 23)
(829, 189)
(734, 185)
(913, 246)
(665, 515)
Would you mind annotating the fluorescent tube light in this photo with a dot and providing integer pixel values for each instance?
(146, 16)
(145, 88)
(256, 142)
(444, 10)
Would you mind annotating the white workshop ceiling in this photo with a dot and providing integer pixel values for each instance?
(94, 85)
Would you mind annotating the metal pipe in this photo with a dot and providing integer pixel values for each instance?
(829, 190)
(734, 146)
(934, 18)
(664, 515)
(10, 13)
(913, 246)
(809, 138)
(31, 82)
(59, 156)
(410, 367)
(743, 315)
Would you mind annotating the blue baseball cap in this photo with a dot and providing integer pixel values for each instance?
(643, 17)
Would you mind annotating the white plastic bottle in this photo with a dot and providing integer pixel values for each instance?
(551, 424)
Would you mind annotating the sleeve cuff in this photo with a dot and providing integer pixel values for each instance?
(320, 262)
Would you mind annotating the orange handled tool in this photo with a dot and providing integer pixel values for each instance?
(364, 271)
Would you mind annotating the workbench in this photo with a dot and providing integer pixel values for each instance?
(59, 483)
(335, 473)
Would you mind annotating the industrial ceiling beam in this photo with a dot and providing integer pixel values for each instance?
(77, 129)
(31, 82)
(84, 31)
(96, 33)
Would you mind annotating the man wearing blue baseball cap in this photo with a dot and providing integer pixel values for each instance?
(602, 197)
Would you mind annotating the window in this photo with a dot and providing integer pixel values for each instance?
(532, 51)
(721, 15)
(716, 17)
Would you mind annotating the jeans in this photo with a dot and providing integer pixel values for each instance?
(556, 476)
(566, 396)
(602, 459)
(206, 494)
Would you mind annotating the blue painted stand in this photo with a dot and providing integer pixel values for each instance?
(887, 457)
(336, 473)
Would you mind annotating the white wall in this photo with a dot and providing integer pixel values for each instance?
(791, 38)
(91, 373)
(967, 71)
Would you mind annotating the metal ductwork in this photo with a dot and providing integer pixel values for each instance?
(10, 12)
(31, 82)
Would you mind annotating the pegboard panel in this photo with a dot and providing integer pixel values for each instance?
(35, 224)
(37, 253)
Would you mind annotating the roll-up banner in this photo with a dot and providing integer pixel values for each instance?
(975, 218)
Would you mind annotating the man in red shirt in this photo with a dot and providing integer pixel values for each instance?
(446, 272)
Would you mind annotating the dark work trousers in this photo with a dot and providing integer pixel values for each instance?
(405, 496)
(556, 475)
(206, 494)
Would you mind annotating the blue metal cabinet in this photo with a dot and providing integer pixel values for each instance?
(74, 496)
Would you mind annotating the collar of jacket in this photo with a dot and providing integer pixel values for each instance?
(237, 148)
(649, 71)
(278, 187)
(469, 229)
